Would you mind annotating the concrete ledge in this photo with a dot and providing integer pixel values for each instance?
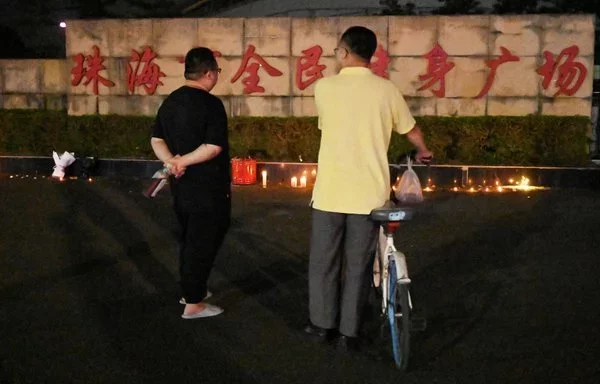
(444, 176)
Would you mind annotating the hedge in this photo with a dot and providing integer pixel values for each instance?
(530, 140)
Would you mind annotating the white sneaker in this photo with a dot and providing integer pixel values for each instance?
(209, 311)
(208, 296)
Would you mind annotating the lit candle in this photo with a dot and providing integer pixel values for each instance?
(294, 182)
(303, 182)
(264, 178)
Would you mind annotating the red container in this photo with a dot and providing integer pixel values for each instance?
(243, 171)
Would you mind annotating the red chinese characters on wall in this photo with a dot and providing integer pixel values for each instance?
(89, 68)
(571, 73)
(308, 65)
(251, 82)
(144, 71)
(437, 68)
(381, 63)
(506, 57)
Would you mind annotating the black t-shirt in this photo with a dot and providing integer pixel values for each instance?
(188, 118)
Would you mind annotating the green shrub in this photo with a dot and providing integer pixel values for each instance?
(529, 140)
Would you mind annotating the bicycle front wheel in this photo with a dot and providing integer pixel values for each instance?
(398, 311)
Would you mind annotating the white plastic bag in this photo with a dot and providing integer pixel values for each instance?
(408, 190)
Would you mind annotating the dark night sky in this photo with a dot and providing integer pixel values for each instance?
(30, 28)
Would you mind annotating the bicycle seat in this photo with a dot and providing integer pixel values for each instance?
(391, 213)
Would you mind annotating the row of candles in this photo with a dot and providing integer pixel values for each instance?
(25, 177)
(17, 176)
(301, 182)
(513, 185)
(523, 184)
(295, 182)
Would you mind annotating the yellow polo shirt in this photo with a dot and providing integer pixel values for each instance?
(357, 113)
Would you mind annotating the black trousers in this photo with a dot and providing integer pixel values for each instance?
(202, 234)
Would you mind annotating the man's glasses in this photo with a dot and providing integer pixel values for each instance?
(337, 49)
(218, 70)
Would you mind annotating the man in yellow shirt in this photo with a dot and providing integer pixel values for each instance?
(357, 113)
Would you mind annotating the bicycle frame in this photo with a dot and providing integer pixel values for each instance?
(386, 251)
(390, 264)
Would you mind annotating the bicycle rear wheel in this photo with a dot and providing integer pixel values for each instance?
(398, 311)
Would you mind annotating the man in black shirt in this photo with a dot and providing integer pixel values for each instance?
(190, 135)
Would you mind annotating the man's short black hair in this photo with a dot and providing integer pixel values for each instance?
(361, 41)
(198, 61)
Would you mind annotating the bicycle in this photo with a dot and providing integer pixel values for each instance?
(390, 275)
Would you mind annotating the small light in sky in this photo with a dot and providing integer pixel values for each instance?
(63, 24)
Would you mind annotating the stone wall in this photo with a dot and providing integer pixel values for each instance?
(33, 84)
(125, 50)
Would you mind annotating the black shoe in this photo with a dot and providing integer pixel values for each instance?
(348, 344)
(318, 333)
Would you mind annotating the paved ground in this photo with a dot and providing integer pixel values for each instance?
(509, 284)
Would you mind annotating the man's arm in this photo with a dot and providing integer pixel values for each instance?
(159, 146)
(201, 154)
(415, 136)
(161, 150)
(204, 152)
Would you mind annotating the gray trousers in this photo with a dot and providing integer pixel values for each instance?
(341, 255)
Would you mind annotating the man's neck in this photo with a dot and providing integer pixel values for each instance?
(195, 84)
(356, 64)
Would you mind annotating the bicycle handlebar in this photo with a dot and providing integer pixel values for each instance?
(412, 154)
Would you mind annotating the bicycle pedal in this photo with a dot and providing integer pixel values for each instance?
(418, 324)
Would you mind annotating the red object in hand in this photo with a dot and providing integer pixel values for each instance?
(155, 187)
(159, 180)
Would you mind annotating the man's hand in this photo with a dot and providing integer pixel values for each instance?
(176, 165)
(424, 156)
(415, 136)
